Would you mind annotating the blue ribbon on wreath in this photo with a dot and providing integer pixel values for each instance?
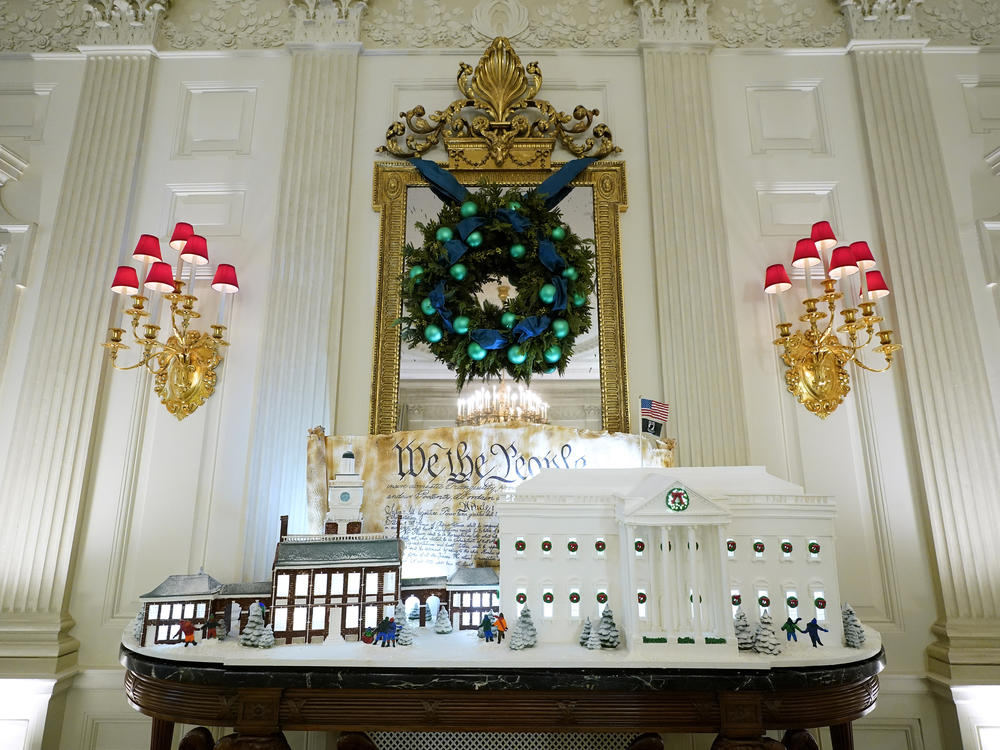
(530, 327)
(442, 183)
(557, 186)
(469, 225)
(488, 338)
(520, 223)
(549, 258)
(559, 303)
(456, 249)
(437, 300)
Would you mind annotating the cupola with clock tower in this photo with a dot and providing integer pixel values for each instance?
(346, 492)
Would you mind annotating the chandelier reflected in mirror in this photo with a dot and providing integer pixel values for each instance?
(501, 403)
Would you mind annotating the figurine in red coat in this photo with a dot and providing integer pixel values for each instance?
(187, 628)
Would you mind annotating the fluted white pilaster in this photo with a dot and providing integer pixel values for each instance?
(956, 433)
(45, 476)
(693, 286)
(302, 332)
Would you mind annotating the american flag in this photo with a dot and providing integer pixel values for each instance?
(655, 410)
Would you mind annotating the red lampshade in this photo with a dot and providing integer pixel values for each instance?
(195, 250)
(160, 278)
(863, 255)
(842, 263)
(806, 254)
(147, 249)
(126, 281)
(822, 235)
(225, 279)
(182, 233)
(876, 285)
(776, 279)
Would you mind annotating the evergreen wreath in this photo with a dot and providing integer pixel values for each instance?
(497, 233)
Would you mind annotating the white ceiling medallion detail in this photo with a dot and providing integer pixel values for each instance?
(493, 18)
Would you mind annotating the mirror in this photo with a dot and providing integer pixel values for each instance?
(411, 389)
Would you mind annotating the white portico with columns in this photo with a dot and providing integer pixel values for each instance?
(668, 550)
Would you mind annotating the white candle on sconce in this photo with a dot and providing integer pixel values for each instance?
(225, 283)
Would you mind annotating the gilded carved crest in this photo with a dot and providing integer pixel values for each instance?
(499, 122)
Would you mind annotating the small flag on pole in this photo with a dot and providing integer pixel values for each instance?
(654, 415)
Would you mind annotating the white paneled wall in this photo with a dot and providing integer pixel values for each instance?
(165, 497)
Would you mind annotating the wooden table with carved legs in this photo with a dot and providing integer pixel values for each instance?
(259, 702)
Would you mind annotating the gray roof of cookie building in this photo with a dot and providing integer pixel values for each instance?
(198, 584)
(428, 582)
(246, 589)
(474, 577)
(338, 552)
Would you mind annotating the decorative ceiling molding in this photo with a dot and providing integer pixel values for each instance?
(673, 20)
(64, 25)
(882, 19)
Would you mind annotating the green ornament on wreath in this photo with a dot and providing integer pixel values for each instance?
(505, 236)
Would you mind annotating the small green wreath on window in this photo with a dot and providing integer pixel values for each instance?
(731, 545)
(792, 602)
(520, 545)
(521, 598)
(641, 597)
(573, 546)
(639, 545)
(758, 547)
(600, 545)
(786, 547)
(574, 596)
(813, 548)
(547, 597)
(546, 546)
(736, 600)
(764, 601)
(602, 598)
(820, 602)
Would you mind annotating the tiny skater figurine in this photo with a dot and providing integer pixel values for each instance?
(210, 628)
(813, 628)
(791, 629)
(187, 629)
(385, 632)
(487, 627)
(501, 626)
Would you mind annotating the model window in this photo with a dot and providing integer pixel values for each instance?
(353, 583)
(280, 618)
(389, 584)
(319, 584)
(640, 596)
(371, 616)
(319, 618)
(548, 608)
(351, 615)
(299, 619)
(282, 588)
(336, 584)
(371, 585)
(154, 611)
(200, 610)
(177, 611)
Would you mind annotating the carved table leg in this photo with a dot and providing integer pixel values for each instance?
(162, 734)
(648, 741)
(240, 741)
(799, 739)
(355, 741)
(198, 738)
(842, 736)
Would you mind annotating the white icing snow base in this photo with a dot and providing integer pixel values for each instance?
(463, 649)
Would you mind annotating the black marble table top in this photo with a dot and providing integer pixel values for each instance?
(542, 678)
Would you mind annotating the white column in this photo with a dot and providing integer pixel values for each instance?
(955, 432)
(693, 281)
(302, 332)
(656, 557)
(46, 473)
(629, 617)
(697, 623)
(681, 610)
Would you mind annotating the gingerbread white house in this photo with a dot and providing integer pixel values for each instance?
(671, 551)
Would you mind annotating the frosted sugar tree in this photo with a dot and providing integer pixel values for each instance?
(524, 635)
(256, 634)
(594, 639)
(404, 633)
(854, 633)
(608, 630)
(137, 624)
(744, 633)
(585, 633)
(442, 624)
(767, 639)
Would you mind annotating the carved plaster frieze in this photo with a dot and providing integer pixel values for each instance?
(41, 26)
(673, 20)
(970, 21)
(123, 22)
(776, 23)
(881, 19)
(223, 24)
(327, 21)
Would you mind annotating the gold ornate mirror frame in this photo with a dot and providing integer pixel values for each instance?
(502, 145)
